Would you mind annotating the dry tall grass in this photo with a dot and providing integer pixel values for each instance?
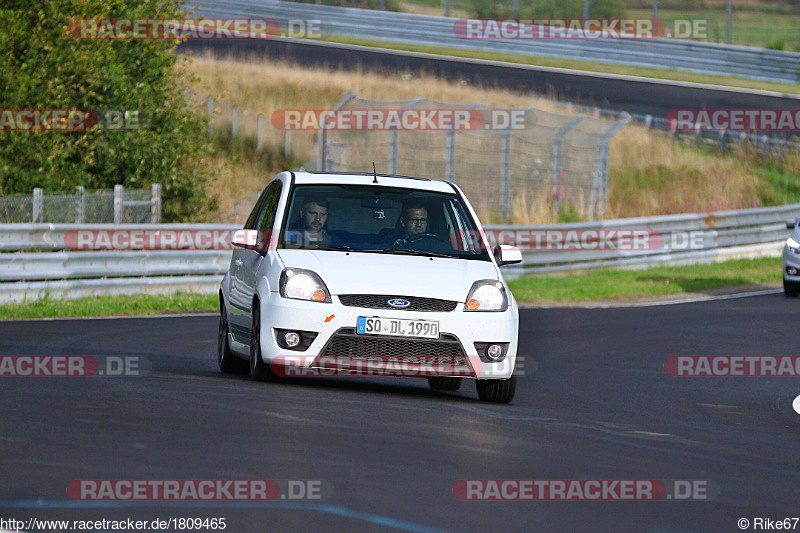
(648, 173)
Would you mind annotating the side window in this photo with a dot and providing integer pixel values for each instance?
(267, 216)
(251, 219)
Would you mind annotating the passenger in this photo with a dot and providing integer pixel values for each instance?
(311, 227)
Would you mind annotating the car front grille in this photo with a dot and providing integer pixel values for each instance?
(345, 342)
(381, 301)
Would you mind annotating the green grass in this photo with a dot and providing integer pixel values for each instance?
(747, 28)
(607, 284)
(667, 74)
(140, 304)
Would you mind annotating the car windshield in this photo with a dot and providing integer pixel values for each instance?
(378, 219)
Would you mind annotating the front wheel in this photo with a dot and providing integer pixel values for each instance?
(790, 288)
(259, 370)
(227, 362)
(496, 390)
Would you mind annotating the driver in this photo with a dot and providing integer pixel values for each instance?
(413, 223)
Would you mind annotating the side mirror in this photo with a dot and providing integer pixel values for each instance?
(251, 239)
(791, 223)
(507, 255)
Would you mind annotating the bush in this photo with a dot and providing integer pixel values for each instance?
(42, 67)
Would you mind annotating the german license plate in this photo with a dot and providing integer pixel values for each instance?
(397, 327)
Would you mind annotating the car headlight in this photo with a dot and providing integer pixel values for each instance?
(487, 295)
(300, 284)
(791, 243)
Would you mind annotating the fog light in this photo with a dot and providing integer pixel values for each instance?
(494, 352)
(291, 339)
(791, 271)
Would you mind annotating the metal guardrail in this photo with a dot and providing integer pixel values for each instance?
(30, 275)
(691, 56)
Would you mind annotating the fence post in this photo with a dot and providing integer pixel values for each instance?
(37, 205)
(209, 116)
(600, 182)
(450, 155)
(505, 172)
(450, 161)
(235, 121)
(260, 134)
(155, 207)
(81, 204)
(118, 189)
(392, 151)
(558, 141)
(393, 137)
(322, 163)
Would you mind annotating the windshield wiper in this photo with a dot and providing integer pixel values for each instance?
(405, 251)
(337, 247)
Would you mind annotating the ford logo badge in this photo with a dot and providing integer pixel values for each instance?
(398, 302)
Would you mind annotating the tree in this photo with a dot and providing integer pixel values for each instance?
(42, 67)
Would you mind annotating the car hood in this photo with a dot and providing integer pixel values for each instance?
(394, 275)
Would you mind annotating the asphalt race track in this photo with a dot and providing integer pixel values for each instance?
(603, 90)
(599, 406)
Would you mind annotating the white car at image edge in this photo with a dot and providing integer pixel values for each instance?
(791, 260)
(364, 274)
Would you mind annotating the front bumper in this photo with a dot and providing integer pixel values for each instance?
(791, 260)
(454, 354)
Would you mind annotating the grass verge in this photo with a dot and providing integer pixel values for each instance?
(134, 305)
(608, 284)
(563, 287)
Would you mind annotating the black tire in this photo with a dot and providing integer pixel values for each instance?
(259, 370)
(444, 383)
(228, 363)
(496, 390)
(790, 288)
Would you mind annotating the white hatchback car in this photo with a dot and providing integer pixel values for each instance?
(363, 274)
(791, 260)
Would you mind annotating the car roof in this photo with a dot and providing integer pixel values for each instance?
(357, 178)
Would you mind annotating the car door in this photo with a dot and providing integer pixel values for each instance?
(250, 269)
(239, 315)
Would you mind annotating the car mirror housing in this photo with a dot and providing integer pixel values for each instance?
(251, 239)
(507, 255)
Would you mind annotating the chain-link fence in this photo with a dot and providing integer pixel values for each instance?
(118, 206)
(543, 162)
